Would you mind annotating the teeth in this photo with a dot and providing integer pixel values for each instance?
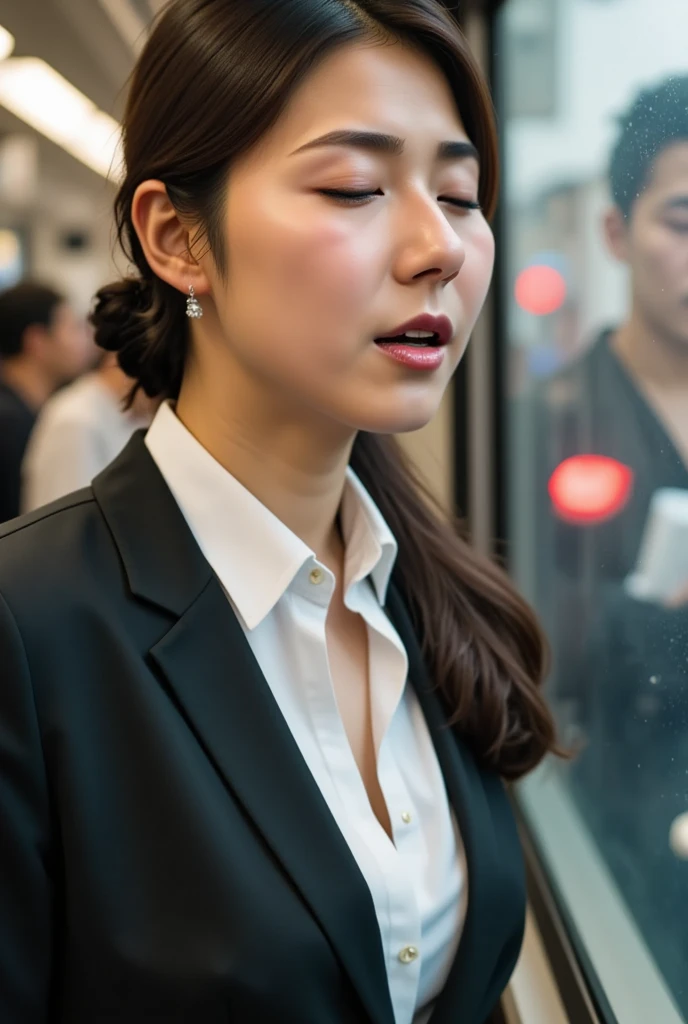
(419, 339)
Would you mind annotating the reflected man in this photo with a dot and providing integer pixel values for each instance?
(621, 662)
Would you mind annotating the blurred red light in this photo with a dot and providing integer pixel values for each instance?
(588, 489)
(540, 290)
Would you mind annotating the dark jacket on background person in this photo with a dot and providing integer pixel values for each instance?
(630, 781)
(592, 407)
(165, 853)
(621, 664)
(16, 424)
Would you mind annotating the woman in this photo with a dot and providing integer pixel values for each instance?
(230, 788)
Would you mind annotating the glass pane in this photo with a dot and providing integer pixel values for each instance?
(593, 101)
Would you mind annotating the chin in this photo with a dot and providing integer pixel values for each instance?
(677, 338)
(401, 420)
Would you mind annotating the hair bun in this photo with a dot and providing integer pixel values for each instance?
(143, 322)
(117, 312)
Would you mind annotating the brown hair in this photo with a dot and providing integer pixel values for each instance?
(212, 79)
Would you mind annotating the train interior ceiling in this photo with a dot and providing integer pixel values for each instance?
(56, 206)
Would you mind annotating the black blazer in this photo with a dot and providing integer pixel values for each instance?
(165, 854)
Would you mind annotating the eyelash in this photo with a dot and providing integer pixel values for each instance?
(359, 198)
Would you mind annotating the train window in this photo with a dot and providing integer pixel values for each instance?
(595, 298)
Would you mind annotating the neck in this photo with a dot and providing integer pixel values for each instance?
(27, 381)
(655, 360)
(294, 467)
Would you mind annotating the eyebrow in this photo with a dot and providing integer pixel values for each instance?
(390, 145)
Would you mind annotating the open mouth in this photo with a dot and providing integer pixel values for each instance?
(427, 330)
(413, 339)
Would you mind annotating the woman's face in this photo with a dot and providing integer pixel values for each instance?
(314, 278)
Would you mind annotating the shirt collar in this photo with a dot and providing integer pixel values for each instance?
(371, 548)
(254, 555)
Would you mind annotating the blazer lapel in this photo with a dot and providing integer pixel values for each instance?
(217, 682)
(464, 990)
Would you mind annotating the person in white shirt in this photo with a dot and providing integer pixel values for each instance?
(259, 698)
(79, 431)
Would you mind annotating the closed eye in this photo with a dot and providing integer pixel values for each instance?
(346, 196)
(357, 198)
(463, 204)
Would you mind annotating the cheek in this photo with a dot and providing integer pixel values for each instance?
(473, 282)
(336, 269)
(300, 288)
(664, 257)
(69, 349)
(310, 263)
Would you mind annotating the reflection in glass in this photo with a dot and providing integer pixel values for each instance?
(596, 200)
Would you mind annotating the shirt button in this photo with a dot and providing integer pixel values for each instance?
(406, 817)
(316, 576)
(408, 954)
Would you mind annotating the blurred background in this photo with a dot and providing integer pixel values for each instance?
(63, 75)
(58, 135)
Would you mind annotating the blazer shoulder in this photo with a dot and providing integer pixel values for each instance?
(45, 553)
(46, 513)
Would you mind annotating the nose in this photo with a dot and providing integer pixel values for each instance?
(430, 248)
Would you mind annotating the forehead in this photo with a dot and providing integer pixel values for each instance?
(389, 86)
(669, 174)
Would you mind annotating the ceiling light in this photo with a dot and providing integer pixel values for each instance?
(6, 43)
(36, 93)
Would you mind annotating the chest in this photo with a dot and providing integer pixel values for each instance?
(672, 411)
(351, 674)
(650, 437)
(348, 656)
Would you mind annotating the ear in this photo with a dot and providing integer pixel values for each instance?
(616, 230)
(165, 240)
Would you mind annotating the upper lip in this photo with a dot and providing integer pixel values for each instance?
(439, 325)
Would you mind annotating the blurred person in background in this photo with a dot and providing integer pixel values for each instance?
(79, 431)
(43, 345)
(621, 663)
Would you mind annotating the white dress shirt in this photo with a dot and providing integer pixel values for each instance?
(79, 431)
(281, 593)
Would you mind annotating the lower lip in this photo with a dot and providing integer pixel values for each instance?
(416, 358)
